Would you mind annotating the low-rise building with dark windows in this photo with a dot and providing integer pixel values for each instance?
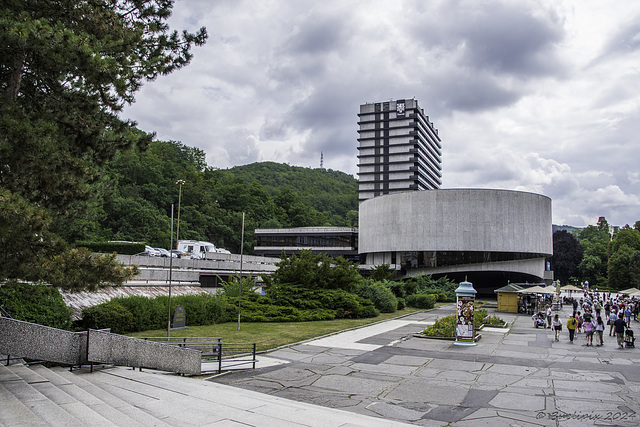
(333, 241)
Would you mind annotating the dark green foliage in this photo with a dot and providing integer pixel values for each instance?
(343, 303)
(134, 314)
(138, 188)
(401, 303)
(425, 301)
(316, 271)
(39, 304)
(382, 273)
(444, 327)
(567, 254)
(425, 284)
(67, 68)
(258, 308)
(398, 288)
(109, 315)
(333, 194)
(381, 296)
(147, 313)
(122, 248)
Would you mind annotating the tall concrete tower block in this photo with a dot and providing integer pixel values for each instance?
(398, 149)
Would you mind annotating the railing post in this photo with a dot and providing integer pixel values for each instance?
(219, 356)
(254, 355)
(87, 355)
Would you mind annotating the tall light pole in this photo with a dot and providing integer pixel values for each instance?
(180, 183)
(241, 253)
(170, 271)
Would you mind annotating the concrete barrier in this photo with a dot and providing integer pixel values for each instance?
(120, 350)
(24, 339)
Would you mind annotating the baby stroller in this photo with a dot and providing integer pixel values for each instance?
(538, 321)
(629, 339)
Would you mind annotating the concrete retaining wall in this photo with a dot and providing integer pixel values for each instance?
(120, 350)
(24, 339)
(28, 340)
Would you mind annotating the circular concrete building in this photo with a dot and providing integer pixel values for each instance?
(491, 237)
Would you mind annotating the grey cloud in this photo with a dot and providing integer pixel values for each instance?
(317, 35)
(469, 91)
(502, 37)
(626, 40)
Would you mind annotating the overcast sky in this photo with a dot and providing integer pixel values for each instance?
(540, 96)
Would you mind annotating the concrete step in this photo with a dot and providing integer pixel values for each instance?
(80, 378)
(55, 394)
(42, 408)
(71, 389)
(14, 412)
(193, 401)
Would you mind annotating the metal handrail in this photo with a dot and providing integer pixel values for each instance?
(214, 350)
(5, 313)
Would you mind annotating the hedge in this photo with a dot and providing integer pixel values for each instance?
(425, 301)
(37, 303)
(122, 248)
(135, 313)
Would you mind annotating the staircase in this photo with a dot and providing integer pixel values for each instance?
(117, 396)
(39, 396)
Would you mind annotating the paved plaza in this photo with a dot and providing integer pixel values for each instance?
(513, 377)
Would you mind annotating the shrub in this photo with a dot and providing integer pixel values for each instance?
(151, 313)
(108, 315)
(444, 327)
(401, 304)
(397, 288)
(421, 301)
(343, 303)
(493, 320)
(202, 309)
(39, 304)
(381, 296)
(148, 313)
(425, 284)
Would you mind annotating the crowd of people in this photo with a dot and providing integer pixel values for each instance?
(587, 316)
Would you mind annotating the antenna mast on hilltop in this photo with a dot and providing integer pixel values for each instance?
(321, 160)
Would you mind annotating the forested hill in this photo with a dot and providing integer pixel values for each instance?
(326, 190)
(137, 188)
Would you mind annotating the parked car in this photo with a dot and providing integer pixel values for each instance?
(152, 251)
(180, 254)
(165, 253)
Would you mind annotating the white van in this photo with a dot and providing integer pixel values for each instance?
(196, 248)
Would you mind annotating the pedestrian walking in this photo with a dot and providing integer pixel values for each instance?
(589, 328)
(620, 326)
(571, 327)
(557, 326)
(599, 331)
(612, 318)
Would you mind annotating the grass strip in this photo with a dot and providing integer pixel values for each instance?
(268, 336)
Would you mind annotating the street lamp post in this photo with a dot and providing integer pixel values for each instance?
(180, 183)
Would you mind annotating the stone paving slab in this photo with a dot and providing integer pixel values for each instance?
(516, 376)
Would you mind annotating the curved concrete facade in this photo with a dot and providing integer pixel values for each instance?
(454, 229)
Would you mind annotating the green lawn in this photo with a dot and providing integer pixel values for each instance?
(271, 335)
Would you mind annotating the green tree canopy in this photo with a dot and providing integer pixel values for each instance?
(67, 68)
(316, 271)
(567, 254)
